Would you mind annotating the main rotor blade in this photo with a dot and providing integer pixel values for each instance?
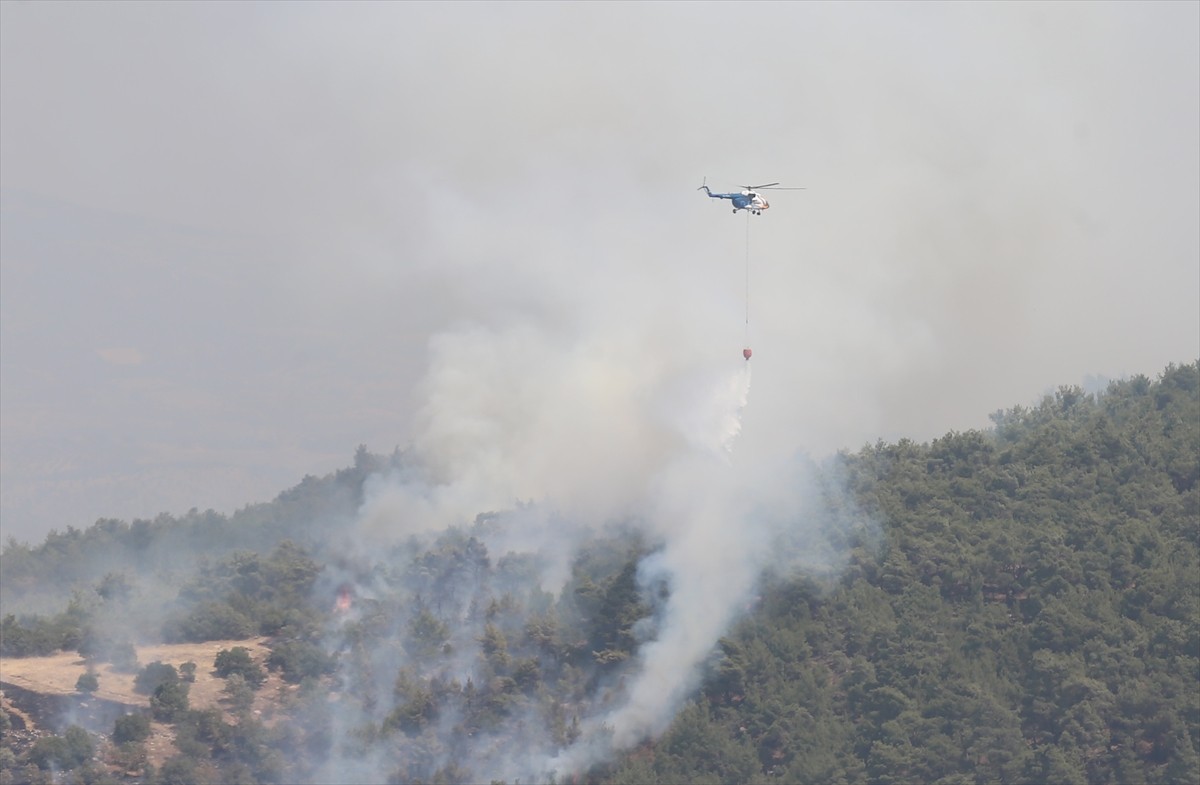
(753, 187)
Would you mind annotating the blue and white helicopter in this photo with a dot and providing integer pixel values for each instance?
(748, 199)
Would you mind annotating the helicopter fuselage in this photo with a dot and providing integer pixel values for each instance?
(749, 200)
(744, 200)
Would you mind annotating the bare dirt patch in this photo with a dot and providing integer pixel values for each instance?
(57, 674)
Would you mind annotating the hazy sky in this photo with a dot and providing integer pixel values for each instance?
(239, 239)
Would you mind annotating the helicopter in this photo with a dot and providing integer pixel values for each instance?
(749, 199)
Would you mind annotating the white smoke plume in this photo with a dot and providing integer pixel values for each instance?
(561, 439)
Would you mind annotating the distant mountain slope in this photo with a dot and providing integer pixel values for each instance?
(42, 577)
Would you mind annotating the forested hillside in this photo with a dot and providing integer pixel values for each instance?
(1033, 615)
(1018, 605)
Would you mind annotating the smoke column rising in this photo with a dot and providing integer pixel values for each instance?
(706, 560)
(585, 437)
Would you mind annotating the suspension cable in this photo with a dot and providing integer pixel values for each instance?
(747, 277)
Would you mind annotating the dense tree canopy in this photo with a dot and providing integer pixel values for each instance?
(1018, 605)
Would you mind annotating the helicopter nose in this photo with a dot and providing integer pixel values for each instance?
(765, 205)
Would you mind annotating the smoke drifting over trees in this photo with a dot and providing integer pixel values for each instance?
(590, 447)
(1016, 602)
(536, 584)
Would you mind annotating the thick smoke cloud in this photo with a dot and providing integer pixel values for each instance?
(587, 436)
(221, 221)
(613, 409)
